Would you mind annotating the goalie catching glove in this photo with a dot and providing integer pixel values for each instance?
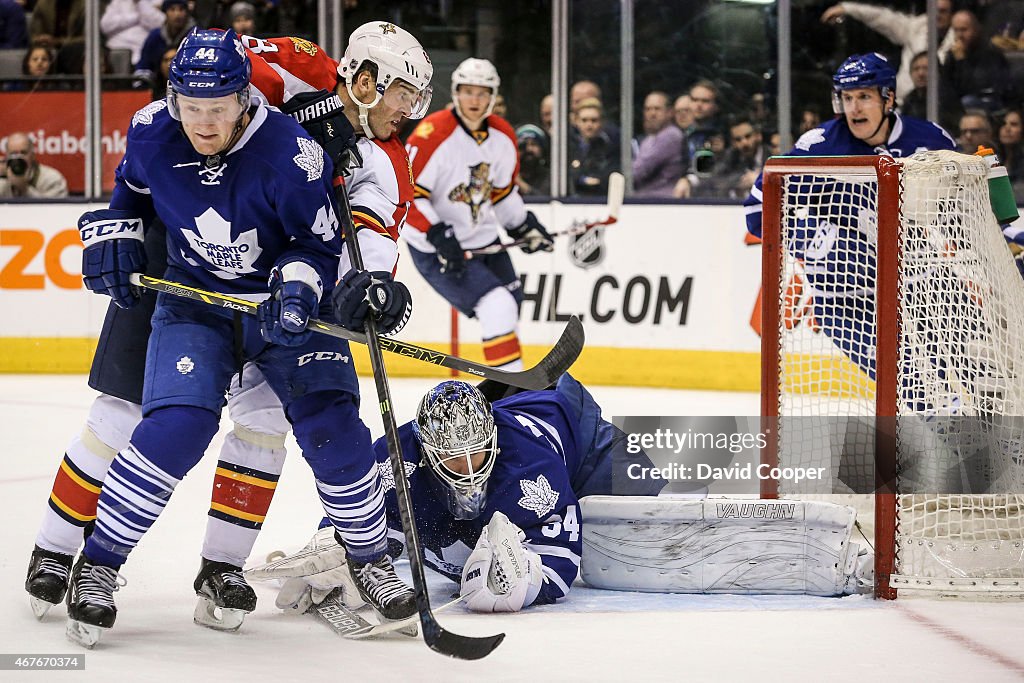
(311, 574)
(501, 574)
(533, 235)
(113, 251)
(322, 115)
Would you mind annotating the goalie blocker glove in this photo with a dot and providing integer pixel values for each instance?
(449, 252)
(501, 574)
(295, 291)
(113, 241)
(359, 291)
(322, 115)
(534, 236)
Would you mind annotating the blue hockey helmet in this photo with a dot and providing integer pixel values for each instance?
(209, 63)
(870, 70)
(455, 426)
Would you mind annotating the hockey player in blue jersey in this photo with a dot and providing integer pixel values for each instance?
(247, 199)
(495, 491)
(834, 241)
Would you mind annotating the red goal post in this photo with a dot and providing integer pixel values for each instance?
(804, 373)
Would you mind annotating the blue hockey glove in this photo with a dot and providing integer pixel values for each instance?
(361, 291)
(113, 251)
(535, 236)
(322, 115)
(295, 291)
(450, 253)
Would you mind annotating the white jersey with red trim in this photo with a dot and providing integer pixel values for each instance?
(381, 190)
(465, 179)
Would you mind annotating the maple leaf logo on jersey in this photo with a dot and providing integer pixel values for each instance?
(387, 28)
(538, 496)
(810, 138)
(387, 478)
(476, 192)
(144, 116)
(303, 45)
(310, 158)
(229, 258)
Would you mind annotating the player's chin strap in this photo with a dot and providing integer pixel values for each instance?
(364, 111)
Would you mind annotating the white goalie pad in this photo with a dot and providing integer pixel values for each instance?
(722, 545)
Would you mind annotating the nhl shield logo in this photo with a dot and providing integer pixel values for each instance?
(587, 249)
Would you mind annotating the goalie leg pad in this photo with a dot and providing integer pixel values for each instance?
(721, 545)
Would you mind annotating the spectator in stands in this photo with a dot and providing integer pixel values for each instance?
(658, 161)
(547, 112)
(243, 18)
(758, 111)
(534, 172)
(177, 23)
(500, 107)
(775, 144)
(160, 82)
(682, 111)
(916, 102)
(975, 129)
(809, 120)
(126, 23)
(977, 72)
(38, 62)
(1011, 149)
(736, 172)
(588, 90)
(704, 137)
(908, 31)
(56, 22)
(592, 155)
(13, 27)
(22, 176)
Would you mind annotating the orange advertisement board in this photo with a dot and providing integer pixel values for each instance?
(57, 122)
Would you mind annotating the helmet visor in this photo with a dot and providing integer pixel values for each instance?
(403, 97)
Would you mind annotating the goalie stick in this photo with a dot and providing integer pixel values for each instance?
(616, 192)
(349, 623)
(558, 360)
(437, 639)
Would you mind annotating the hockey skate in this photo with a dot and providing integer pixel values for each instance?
(381, 588)
(91, 609)
(224, 596)
(47, 579)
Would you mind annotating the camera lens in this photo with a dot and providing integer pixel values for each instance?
(17, 166)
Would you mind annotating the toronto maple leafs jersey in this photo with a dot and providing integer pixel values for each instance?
(381, 189)
(464, 178)
(908, 135)
(231, 218)
(539, 442)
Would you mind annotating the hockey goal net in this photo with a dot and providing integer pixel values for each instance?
(892, 355)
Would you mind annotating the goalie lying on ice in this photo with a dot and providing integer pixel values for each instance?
(495, 490)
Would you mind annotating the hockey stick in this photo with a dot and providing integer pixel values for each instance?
(616, 192)
(438, 639)
(559, 359)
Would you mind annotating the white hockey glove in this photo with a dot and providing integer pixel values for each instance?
(501, 575)
(311, 574)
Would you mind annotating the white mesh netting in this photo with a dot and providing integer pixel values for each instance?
(960, 435)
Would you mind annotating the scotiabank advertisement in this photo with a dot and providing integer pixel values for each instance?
(665, 294)
(56, 121)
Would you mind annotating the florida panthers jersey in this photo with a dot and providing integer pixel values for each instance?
(464, 178)
(230, 218)
(538, 438)
(381, 190)
(909, 135)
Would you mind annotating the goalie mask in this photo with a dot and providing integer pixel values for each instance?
(476, 72)
(395, 55)
(460, 445)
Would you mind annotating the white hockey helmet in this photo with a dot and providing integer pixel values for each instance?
(476, 72)
(397, 55)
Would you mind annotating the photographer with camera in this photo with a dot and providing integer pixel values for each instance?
(22, 176)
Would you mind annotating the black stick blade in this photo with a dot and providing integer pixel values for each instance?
(453, 645)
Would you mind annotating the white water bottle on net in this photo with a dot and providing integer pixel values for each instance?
(893, 355)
